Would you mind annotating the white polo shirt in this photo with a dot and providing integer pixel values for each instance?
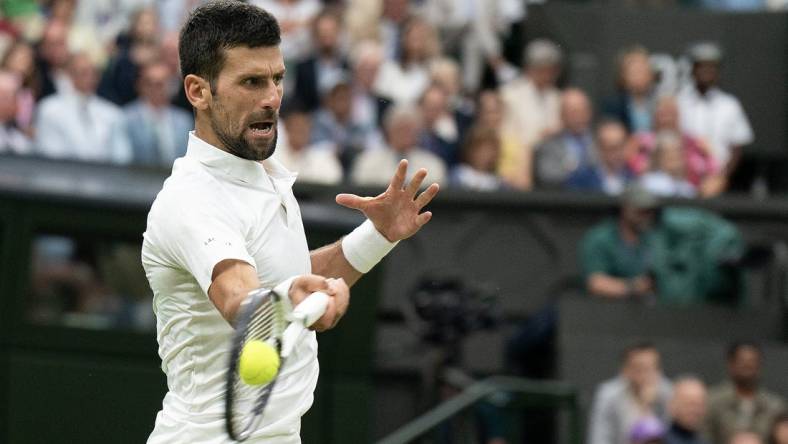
(217, 206)
(717, 118)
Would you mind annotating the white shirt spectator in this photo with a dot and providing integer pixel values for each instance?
(529, 111)
(77, 127)
(295, 18)
(464, 176)
(14, 141)
(216, 206)
(663, 184)
(372, 166)
(717, 118)
(314, 164)
(402, 85)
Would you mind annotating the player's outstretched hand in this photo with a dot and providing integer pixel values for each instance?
(337, 289)
(396, 212)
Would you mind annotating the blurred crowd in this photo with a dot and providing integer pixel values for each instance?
(641, 405)
(369, 83)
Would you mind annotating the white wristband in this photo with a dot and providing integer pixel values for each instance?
(365, 246)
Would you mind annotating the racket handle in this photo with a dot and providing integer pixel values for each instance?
(310, 309)
(304, 315)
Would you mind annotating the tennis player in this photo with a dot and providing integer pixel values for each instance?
(226, 222)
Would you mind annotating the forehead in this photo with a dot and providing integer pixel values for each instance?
(243, 60)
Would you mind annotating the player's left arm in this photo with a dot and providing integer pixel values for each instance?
(395, 214)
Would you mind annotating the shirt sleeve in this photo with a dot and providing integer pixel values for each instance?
(739, 130)
(196, 239)
(592, 254)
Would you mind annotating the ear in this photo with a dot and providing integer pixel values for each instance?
(198, 91)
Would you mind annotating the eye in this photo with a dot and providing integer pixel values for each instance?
(278, 79)
(251, 81)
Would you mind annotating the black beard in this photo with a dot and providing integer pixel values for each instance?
(238, 146)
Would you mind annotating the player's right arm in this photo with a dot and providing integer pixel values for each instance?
(233, 279)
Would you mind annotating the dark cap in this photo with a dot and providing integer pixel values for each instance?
(639, 197)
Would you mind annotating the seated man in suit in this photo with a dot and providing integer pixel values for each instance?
(158, 131)
(610, 174)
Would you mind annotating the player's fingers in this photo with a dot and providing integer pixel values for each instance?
(423, 218)
(351, 201)
(341, 294)
(305, 285)
(426, 197)
(415, 183)
(399, 175)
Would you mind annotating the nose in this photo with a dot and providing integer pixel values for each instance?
(272, 96)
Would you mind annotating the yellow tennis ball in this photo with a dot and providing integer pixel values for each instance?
(259, 363)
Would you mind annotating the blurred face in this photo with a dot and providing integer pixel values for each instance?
(745, 438)
(688, 405)
(575, 112)
(395, 10)
(154, 83)
(53, 45)
(244, 107)
(484, 156)
(83, 73)
(490, 110)
(666, 116)
(781, 433)
(146, 27)
(671, 159)
(642, 368)
(639, 220)
(20, 60)
(366, 71)
(340, 102)
(544, 76)
(298, 127)
(706, 73)
(327, 34)
(415, 41)
(403, 134)
(433, 105)
(637, 74)
(448, 79)
(612, 146)
(745, 367)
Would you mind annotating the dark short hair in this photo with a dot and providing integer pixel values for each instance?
(220, 25)
(636, 347)
(736, 346)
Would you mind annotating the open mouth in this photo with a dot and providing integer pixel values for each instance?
(262, 129)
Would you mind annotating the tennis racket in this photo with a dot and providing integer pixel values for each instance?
(264, 316)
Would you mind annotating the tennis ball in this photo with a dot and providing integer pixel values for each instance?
(259, 363)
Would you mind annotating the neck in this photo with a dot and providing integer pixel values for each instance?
(743, 391)
(208, 136)
(628, 234)
(703, 89)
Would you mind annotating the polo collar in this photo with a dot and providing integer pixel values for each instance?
(259, 174)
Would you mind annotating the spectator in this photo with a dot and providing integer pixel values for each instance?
(107, 18)
(81, 125)
(158, 132)
(490, 115)
(173, 13)
(20, 60)
(479, 159)
(368, 107)
(561, 155)
(648, 430)
(441, 133)
(779, 430)
(404, 80)
(445, 73)
(401, 126)
(82, 37)
(610, 174)
(52, 57)
(316, 75)
(741, 404)
(634, 103)
(333, 124)
(701, 170)
(745, 438)
(687, 410)
(668, 177)
(314, 164)
(712, 115)
(393, 21)
(474, 30)
(639, 391)
(532, 101)
(12, 140)
(295, 18)
(138, 48)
